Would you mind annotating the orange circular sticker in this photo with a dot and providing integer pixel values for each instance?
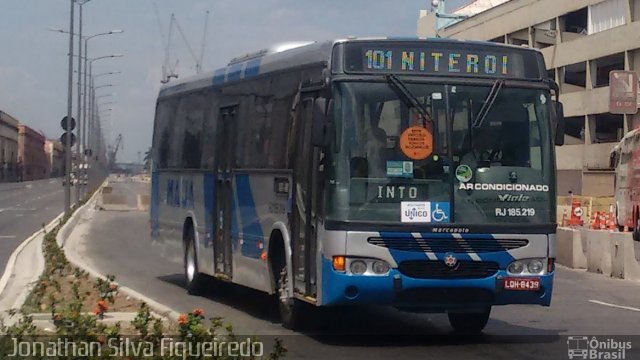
(416, 143)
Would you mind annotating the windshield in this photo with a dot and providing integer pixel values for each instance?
(397, 157)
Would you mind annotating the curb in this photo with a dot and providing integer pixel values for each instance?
(158, 308)
(11, 263)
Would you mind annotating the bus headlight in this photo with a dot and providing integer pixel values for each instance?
(527, 267)
(380, 267)
(358, 267)
(516, 267)
(367, 266)
(535, 266)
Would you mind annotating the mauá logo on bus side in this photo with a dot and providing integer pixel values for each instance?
(180, 196)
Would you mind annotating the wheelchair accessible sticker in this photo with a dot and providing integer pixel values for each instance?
(424, 212)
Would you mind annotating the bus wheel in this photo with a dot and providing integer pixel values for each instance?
(192, 276)
(469, 322)
(290, 309)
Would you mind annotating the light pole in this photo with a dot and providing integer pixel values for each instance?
(95, 141)
(90, 142)
(67, 187)
(79, 113)
(92, 79)
(82, 116)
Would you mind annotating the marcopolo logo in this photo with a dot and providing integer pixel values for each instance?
(583, 347)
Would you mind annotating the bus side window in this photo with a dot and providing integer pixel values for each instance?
(165, 117)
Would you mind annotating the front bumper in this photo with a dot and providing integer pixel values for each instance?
(426, 294)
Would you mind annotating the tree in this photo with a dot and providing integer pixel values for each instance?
(147, 160)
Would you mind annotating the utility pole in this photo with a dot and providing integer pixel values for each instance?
(67, 187)
(79, 131)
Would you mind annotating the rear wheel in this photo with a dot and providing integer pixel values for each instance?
(469, 323)
(292, 311)
(193, 278)
(636, 228)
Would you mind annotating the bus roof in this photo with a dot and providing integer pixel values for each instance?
(294, 54)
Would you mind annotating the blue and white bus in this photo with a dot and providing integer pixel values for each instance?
(418, 174)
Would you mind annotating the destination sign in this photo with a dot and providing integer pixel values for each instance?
(441, 59)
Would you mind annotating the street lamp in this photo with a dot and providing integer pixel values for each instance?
(81, 119)
(89, 109)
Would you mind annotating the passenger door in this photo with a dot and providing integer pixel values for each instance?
(224, 189)
(304, 211)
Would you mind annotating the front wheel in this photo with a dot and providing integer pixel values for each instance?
(192, 276)
(469, 323)
(291, 310)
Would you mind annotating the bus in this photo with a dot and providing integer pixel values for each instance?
(625, 159)
(418, 174)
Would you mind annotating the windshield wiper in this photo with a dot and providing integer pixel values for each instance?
(488, 102)
(408, 98)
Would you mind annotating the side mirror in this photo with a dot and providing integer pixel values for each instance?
(321, 125)
(560, 123)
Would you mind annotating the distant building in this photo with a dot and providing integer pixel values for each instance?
(55, 155)
(32, 160)
(8, 147)
(582, 41)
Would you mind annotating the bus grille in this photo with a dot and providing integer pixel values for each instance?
(449, 245)
(436, 269)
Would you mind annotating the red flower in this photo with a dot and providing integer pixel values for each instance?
(198, 312)
(182, 319)
(102, 305)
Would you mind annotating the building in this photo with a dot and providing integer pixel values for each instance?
(55, 155)
(582, 41)
(32, 159)
(8, 147)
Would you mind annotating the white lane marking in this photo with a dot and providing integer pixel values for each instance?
(614, 305)
(7, 236)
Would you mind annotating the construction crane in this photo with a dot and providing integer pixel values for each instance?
(113, 152)
(169, 69)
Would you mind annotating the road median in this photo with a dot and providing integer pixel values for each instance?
(606, 252)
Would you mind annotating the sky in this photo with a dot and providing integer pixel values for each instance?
(34, 62)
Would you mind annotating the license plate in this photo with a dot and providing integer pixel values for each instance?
(530, 284)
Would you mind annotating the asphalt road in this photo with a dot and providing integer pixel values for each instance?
(24, 207)
(583, 303)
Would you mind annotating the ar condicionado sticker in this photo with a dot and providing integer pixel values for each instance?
(416, 143)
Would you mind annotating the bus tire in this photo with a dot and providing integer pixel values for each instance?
(636, 229)
(193, 278)
(469, 323)
(290, 309)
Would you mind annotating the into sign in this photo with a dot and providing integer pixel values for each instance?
(623, 92)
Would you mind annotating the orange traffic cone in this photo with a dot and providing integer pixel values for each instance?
(595, 223)
(612, 219)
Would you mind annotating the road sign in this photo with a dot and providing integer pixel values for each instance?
(63, 139)
(63, 123)
(623, 92)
